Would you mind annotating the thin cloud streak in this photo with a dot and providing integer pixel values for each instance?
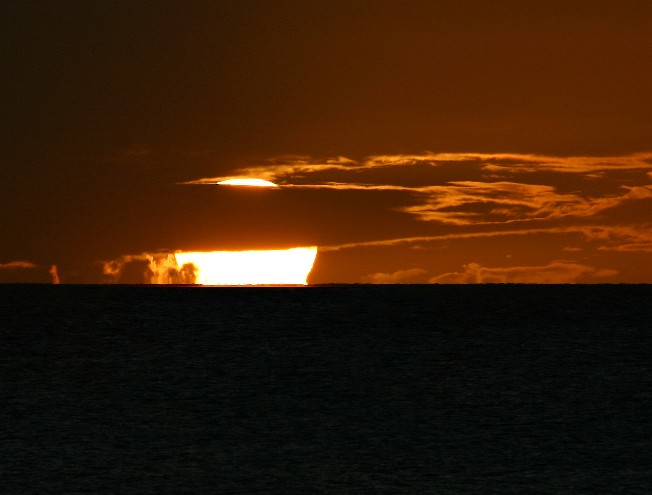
(18, 265)
(613, 235)
(639, 247)
(522, 163)
(446, 237)
(397, 277)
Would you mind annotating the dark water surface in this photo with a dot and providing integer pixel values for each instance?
(358, 389)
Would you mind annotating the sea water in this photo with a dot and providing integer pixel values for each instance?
(340, 389)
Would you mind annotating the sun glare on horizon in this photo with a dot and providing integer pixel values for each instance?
(247, 182)
(269, 267)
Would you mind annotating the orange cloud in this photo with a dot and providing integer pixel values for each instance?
(611, 236)
(522, 163)
(54, 273)
(463, 195)
(400, 276)
(281, 168)
(446, 196)
(463, 235)
(626, 238)
(289, 168)
(638, 247)
(556, 272)
(517, 163)
(468, 202)
(17, 265)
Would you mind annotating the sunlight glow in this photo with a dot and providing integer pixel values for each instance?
(273, 267)
(247, 182)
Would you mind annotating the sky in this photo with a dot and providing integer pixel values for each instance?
(413, 141)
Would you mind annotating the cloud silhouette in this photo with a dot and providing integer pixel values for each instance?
(556, 272)
(399, 276)
(146, 268)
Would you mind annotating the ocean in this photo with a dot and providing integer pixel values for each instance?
(419, 389)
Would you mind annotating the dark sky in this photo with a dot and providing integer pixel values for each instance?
(443, 141)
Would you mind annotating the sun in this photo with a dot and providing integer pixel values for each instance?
(270, 267)
(247, 182)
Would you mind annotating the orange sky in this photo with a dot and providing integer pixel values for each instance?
(422, 141)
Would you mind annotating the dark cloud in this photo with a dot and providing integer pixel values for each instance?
(148, 269)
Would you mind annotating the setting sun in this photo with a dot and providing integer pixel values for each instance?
(247, 182)
(272, 267)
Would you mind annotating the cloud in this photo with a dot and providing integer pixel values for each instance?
(523, 163)
(290, 167)
(624, 238)
(454, 188)
(460, 235)
(613, 238)
(638, 192)
(468, 202)
(17, 265)
(351, 186)
(54, 273)
(400, 276)
(472, 203)
(146, 268)
(599, 203)
(556, 272)
(279, 169)
(638, 247)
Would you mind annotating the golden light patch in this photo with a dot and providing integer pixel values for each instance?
(247, 182)
(271, 267)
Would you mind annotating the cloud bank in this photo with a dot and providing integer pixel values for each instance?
(557, 272)
(473, 188)
(602, 204)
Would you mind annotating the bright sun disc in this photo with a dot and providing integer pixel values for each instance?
(247, 182)
(272, 267)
